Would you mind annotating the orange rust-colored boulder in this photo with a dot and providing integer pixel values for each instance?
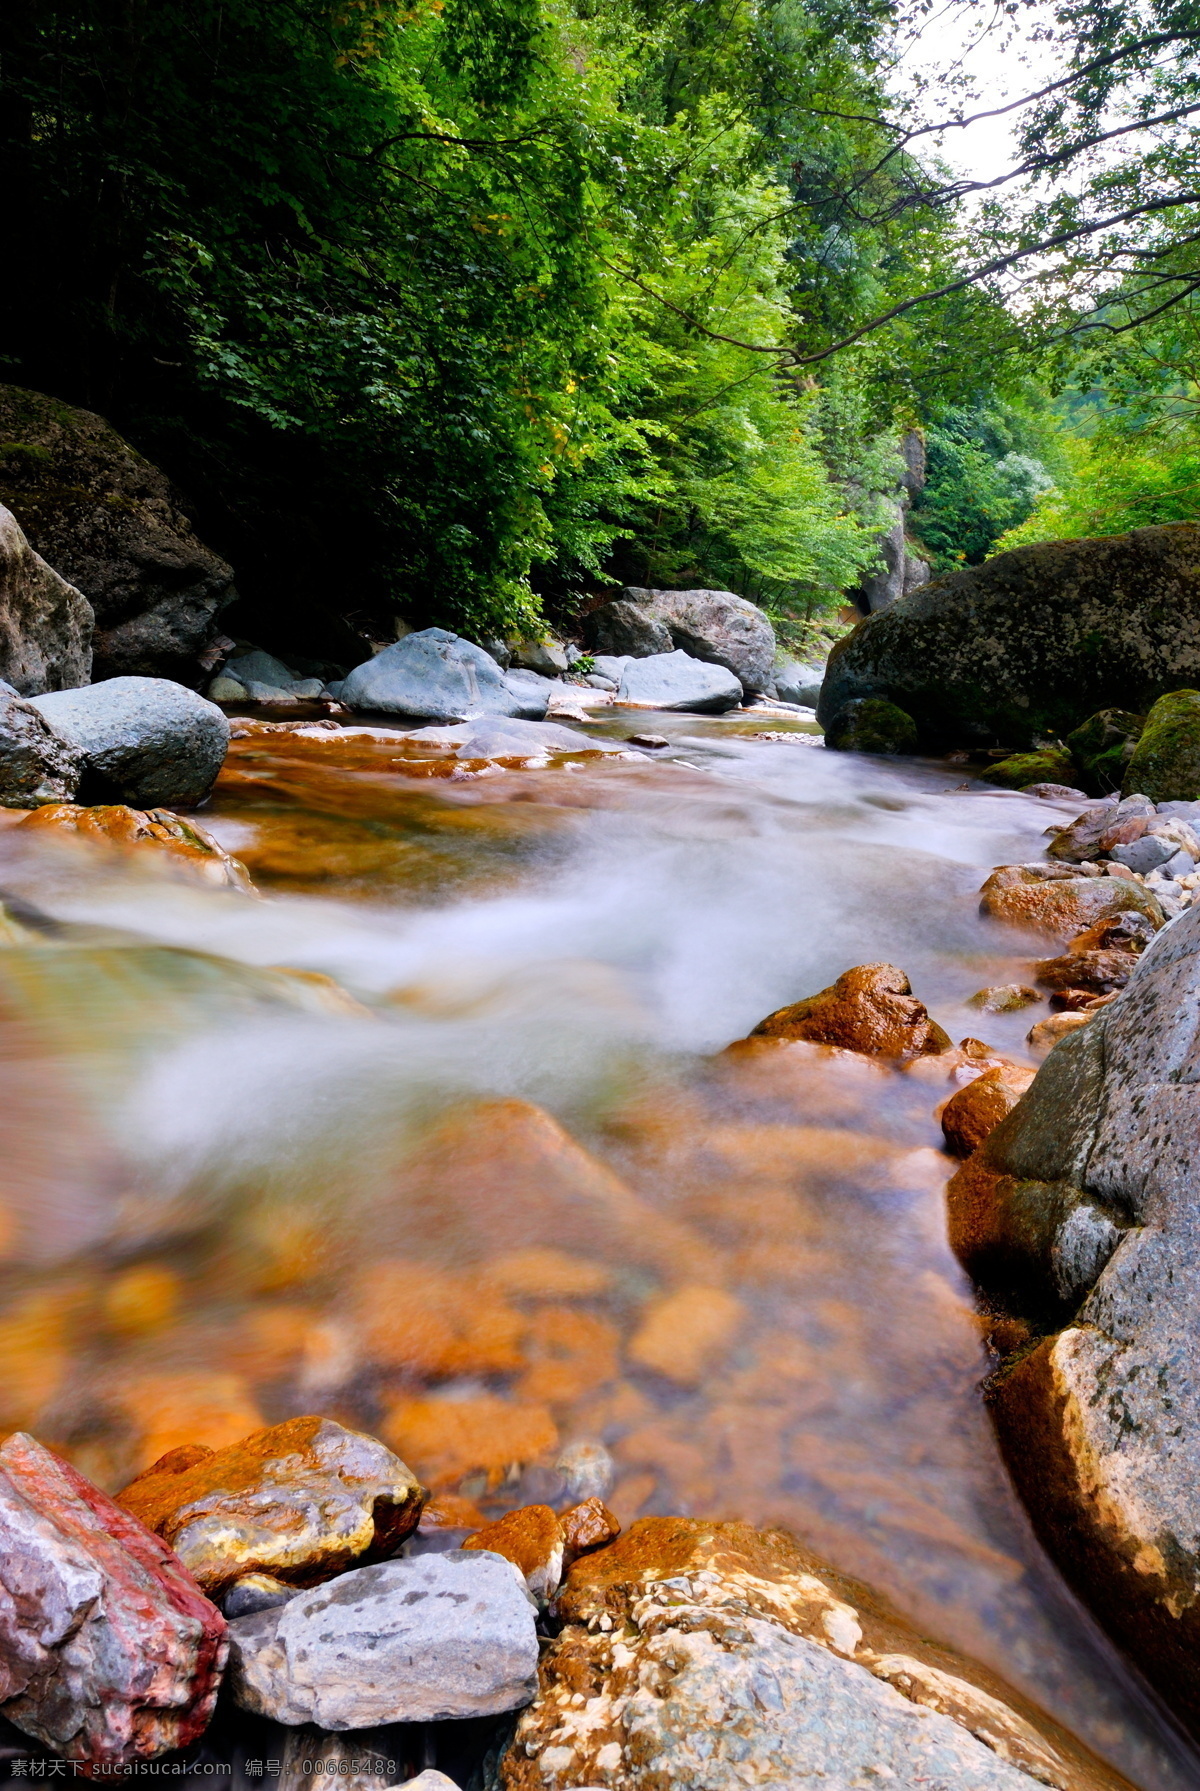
(1045, 1035)
(870, 1008)
(300, 1501)
(182, 845)
(1100, 971)
(449, 1511)
(977, 1109)
(1062, 906)
(532, 1539)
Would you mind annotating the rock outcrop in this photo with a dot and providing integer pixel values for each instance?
(715, 626)
(718, 1656)
(1165, 762)
(301, 1501)
(45, 623)
(1035, 641)
(1080, 1216)
(114, 525)
(180, 848)
(109, 1652)
(145, 741)
(419, 1640)
(872, 725)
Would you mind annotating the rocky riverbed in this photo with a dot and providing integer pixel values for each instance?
(476, 1198)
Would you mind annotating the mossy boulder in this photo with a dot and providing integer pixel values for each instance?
(869, 724)
(1034, 642)
(1165, 764)
(1102, 747)
(112, 524)
(1023, 768)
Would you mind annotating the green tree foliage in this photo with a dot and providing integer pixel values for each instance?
(984, 473)
(443, 307)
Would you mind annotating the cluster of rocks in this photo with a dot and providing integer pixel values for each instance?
(305, 1571)
(146, 742)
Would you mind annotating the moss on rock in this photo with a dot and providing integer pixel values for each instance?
(1102, 747)
(1023, 768)
(1165, 765)
(871, 724)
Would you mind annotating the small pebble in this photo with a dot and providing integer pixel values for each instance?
(648, 740)
(1004, 998)
(588, 1471)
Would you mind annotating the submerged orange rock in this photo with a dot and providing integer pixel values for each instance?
(300, 1501)
(449, 1438)
(870, 1008)
(186, 845)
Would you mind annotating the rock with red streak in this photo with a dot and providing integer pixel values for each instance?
(532, 1539)
(109, 1651)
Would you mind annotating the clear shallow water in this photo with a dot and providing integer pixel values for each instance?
(493, 1187)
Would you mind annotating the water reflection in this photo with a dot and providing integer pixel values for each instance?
(443, 1138)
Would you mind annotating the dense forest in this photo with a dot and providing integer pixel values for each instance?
(462, 310)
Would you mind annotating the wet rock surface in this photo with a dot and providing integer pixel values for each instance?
(113, 524)
(301, 1501)
(182, 846)
(1063, 906)
(703, 1656)
(417, 1640)
(45, 623)
(109, 1652)
(1080, 1212)
(871, 1009)
(976, 1110)
(533, 1540)
(145, 741)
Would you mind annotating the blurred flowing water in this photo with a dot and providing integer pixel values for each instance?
(441, 1137)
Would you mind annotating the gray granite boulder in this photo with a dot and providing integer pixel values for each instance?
(432, 673)
(796, 683)
(1030, 644)
(114, 525)
(144, 741)
(1080, 1218)
(531, 692)
(45, 623)
(413, 1640)
(715, 626)
(677, 681)
(36, 764)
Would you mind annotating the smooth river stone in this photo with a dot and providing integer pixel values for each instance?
(300, 1501)
(108, 1649)
(416, 1640)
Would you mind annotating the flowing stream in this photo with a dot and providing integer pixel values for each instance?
(441, 1137)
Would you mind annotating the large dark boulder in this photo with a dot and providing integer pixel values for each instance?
(115, 527)
(715, 626)
(1035, 641)
(1080, 1218)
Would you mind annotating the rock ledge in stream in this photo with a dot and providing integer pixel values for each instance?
(36, 764)
(871, 1009)
(108, 1649)
(709, 1657)
(45, 623)
(440, 1635)
(1081, 1214)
